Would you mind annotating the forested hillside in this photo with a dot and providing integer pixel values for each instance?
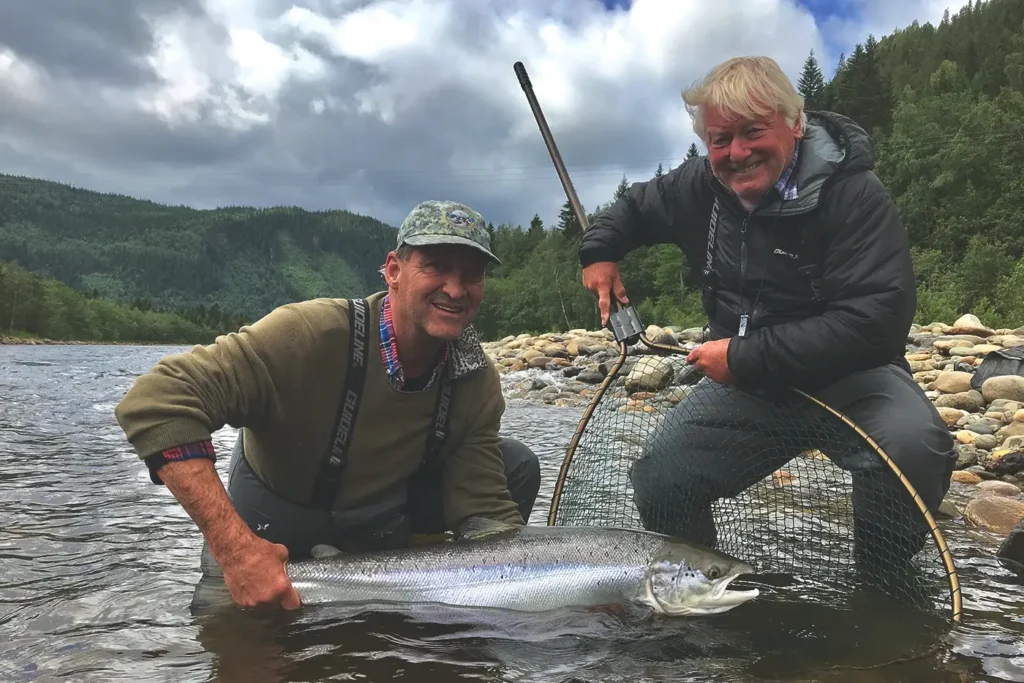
(945, 105)
(226, 265)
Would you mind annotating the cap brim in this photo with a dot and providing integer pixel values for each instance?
(428, 240)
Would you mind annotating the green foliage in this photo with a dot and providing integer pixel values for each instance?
(945, 105)
(32, 306)
(244, 261)
(811, 84)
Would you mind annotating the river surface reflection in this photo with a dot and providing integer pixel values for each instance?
(99, 566)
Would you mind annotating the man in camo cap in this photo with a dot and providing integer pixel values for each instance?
(439, 222)
(364, 423)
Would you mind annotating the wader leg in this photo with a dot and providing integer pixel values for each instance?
(522, 470)
(888, 405)
(715, 443)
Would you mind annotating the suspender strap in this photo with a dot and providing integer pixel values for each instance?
(439, 434)
(334, 460)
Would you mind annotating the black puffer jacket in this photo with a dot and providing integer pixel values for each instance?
(867, 288)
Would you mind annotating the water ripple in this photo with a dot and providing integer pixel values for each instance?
(99, 566)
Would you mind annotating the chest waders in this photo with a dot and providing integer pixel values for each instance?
(381, 523)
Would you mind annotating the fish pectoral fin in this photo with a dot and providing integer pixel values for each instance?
(322, 551)
(476, 528)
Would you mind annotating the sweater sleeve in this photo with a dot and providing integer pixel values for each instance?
(474, 476)
(240, 378)
(869, 289)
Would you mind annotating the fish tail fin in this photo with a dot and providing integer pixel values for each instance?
(211, 593)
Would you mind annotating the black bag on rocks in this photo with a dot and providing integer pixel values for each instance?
(1002, 362)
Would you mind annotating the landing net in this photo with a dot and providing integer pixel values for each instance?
(779, 480)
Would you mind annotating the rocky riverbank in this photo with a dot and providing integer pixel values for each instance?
(986, 421)
(36, 341)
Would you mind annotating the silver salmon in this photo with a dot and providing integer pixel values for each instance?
(533, 569)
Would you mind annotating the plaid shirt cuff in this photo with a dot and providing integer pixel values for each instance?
(200, 449)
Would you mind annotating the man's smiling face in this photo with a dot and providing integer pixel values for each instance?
(437, 290)
(749, 155)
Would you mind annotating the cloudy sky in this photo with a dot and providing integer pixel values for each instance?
(373, 106)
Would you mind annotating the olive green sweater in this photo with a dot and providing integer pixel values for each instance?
(281, 380)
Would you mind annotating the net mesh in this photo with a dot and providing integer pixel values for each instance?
(777, 480)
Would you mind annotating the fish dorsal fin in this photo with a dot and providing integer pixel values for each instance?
(323, 552)
(476, 528)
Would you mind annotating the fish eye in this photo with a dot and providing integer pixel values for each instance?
(714, 572)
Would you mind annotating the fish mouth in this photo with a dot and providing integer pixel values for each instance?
(717, 600)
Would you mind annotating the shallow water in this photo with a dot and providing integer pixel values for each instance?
(98, 567)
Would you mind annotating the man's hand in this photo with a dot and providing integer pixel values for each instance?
(712, 358)
(602, 279)
(253, 568)
(254, 572)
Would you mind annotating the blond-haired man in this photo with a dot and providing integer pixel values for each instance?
(806, 280)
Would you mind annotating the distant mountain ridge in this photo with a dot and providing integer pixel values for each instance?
(238, 260)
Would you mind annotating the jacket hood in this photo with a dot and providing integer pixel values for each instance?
(832, 145)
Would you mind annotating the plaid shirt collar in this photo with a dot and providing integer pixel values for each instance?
(786, 189)
(389, 351)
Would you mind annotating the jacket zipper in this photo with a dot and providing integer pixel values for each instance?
(744, 317)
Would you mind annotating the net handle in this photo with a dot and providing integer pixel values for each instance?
(956, 595)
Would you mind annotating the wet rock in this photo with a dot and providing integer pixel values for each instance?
(984, 426)
(981, 472)
(985, 442)
(1011, 340)
(650, 374)
(1010, 431)
(555, 351)
(999, 488)
(967, 456)
(969, 324)
(590, 377)
(991, 512)
(950, 415)
(966, 437)
(1012, 549)
(965, 477)
(1010, 387)
(1004, 463)
(953, 382)
(962, 401)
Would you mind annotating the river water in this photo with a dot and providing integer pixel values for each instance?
(97, 567)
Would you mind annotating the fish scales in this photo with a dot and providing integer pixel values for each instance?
(521, 568)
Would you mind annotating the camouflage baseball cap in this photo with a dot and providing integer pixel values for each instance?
(445, 222)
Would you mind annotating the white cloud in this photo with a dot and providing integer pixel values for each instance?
(376, 105)
(19, 79)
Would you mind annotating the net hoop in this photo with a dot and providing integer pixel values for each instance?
(955, 593)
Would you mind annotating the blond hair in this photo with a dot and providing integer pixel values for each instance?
(748, 86)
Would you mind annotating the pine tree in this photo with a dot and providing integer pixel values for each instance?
(535, 233)
(622, 188)
(659, 172)
(692, 151)
(812, 84)
(567, 222)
